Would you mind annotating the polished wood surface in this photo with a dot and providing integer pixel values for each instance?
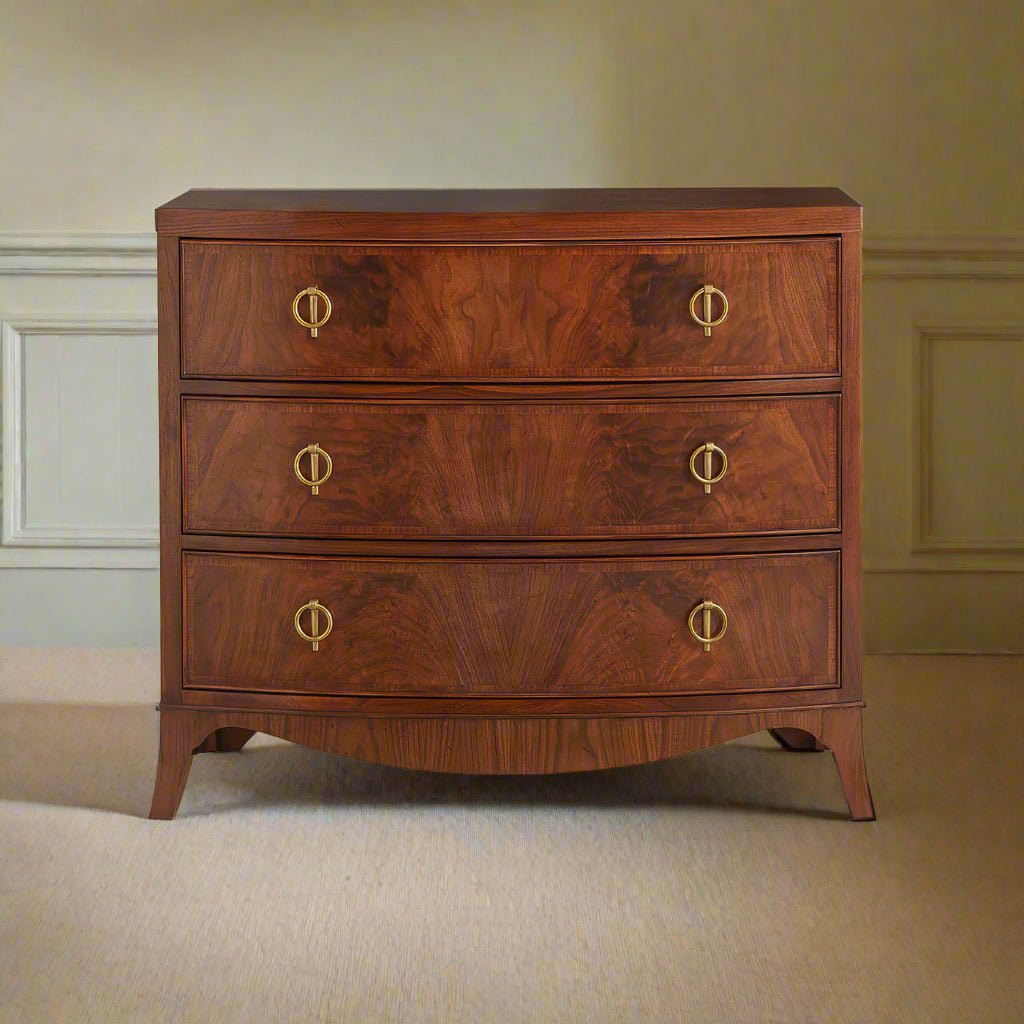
(486, 729)
(436, 201)
(493, 746)
(514, 547)
(532, 706)
(169, 420)
(481, 312)
(512, 469)
(482, 215)
(511, 628)
(519, 391)
(852, 440)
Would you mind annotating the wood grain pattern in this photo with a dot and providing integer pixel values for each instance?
(519, 391)
(454, 312)
(482, 215)
(511, 628)
(532, 706)
(437, 202)
(168, 371)
(511, 469)
(554, 297)
(511, 746)
(852, 444)
(629, 547)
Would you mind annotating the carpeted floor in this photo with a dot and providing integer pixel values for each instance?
(725, 886)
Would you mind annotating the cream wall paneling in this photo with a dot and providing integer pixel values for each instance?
(965, 256)
(944, 404)
(944, 443)
(79, 435)
(967, 442)
(50, 349)
(78, 253)
(78, 400)
(78, 497)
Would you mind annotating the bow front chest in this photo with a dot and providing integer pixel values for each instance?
(510, 482)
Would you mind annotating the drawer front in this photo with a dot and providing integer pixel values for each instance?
(514, 469)
(505, 312)
(572, 627)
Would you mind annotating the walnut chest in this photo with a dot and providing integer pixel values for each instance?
(510, 481)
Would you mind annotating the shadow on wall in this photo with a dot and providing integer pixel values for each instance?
(491, 94)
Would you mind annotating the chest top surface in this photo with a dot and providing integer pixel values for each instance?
(516, 200)
(400, 214)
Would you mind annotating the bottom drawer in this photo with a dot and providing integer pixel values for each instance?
(574, 627)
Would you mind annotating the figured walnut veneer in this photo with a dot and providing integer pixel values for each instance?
(511, 628)
(572, 469)
(484, 312)
(510, 386)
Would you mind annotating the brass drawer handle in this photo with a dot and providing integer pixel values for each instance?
(315, 609)
(707, 479)
(707, 323)
(706, 639)
(316, 453)
(315, 320)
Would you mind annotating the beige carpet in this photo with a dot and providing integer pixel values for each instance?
(725, 886)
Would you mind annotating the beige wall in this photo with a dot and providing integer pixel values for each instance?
(917, 109)
(109, 108)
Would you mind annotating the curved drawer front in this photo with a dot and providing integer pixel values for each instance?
(507, 312)
(516, 469)
(571, 627)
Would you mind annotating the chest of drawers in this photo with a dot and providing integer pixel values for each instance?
(510, 482)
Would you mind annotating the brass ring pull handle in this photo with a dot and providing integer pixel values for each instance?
(708, 449)
(706, 638)
(707, 323)
(316, 478)
(315, 609)
(315, 320)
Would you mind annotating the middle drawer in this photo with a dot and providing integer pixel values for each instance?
(322, 468)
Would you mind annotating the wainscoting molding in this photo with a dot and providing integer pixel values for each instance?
(981, 257)
(944, 445)
(63, 544)
(986, 255)
(82, 253)
(998, 256)
(992, 489)
(914, 587)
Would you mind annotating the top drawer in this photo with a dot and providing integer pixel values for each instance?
(556, 312)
